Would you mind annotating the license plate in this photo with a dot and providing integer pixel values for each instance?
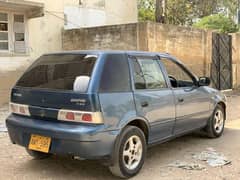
(39, 143)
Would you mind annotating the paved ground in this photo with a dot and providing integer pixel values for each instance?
(16, 164)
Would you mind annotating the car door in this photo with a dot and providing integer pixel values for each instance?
(153, 98)
(192, 102)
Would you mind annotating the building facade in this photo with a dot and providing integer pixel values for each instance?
(34, 27)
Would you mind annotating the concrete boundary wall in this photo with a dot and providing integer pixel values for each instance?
(104, 37)
(192, 46)
(236, 60)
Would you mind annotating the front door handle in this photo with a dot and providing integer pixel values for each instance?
(144, 104)
(180, 100)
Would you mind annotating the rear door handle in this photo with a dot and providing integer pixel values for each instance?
(144, 104)
(180, 100)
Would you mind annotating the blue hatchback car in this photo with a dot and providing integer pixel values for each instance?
(110, 105)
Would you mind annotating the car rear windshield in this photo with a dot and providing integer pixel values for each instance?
(58, 72)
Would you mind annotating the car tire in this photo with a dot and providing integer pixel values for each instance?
(130, 152)
(216, 123)
(37, 154)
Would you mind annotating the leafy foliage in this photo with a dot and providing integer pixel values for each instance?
(186, 12)
(204, 7)
(217, 22)
(228, 7)
(179, 12)
(146, 10)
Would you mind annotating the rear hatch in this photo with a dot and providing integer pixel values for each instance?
(48, 85)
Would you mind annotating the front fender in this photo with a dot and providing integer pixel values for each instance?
(219, 98)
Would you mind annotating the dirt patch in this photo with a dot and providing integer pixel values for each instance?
(16, 164)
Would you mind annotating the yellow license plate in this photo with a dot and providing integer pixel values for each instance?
(39, 143)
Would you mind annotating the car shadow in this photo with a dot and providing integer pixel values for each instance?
(157, 156)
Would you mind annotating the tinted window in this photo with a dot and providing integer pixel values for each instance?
(177, 75)
(147, 74)
(57, 71)
(115, 76)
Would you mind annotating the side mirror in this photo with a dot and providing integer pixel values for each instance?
(204, 81)
(81, 83)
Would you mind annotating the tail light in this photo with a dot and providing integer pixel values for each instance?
(80, 116)
(87, 117)
(63, 114)
(19, 109)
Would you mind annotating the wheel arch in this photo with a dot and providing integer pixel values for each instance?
(141, 125)
(139, 122)
(223, 105)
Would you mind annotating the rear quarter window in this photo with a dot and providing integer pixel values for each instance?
(57, 72)
(115, 75)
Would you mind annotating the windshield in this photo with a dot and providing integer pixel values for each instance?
(58, 72)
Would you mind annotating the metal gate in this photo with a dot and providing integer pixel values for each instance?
(221, 68)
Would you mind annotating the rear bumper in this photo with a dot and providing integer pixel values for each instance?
(85, 141)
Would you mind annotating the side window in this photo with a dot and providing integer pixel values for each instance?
(19, 33)
(4, 32)
(177, 75)
(147, 74)
(115, 75)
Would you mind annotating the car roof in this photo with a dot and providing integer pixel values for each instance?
(110, 52)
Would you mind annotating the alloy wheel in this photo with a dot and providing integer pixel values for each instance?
(219, 121)
(132, 152)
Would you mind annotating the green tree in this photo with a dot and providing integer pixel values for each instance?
(179, 12)
(217, 22)
(146, 10)
(160, 11)
(229, 7)
(184, 12)
(204, 7)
